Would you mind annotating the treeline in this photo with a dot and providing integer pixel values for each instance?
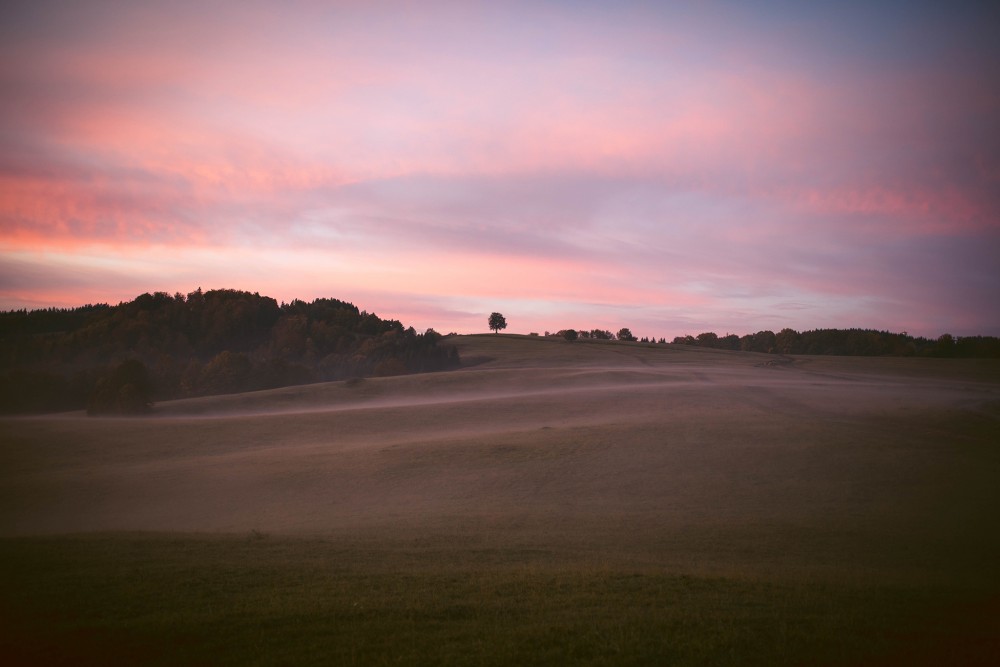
(849, 342)
(624, 334)
(157, 347)
(845, 342)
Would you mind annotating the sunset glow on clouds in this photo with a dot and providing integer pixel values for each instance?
(710, 166)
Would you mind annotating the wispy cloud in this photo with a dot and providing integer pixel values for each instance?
(689, 167)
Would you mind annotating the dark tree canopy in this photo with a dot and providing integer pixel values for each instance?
(625, 334)
(115, 359)
(497, 322)
(708, 339)
(125, 390)
(849, 342)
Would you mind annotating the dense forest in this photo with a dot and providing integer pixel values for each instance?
(157, 347)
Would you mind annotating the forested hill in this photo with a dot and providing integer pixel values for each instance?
(121, 358)
(850, 342)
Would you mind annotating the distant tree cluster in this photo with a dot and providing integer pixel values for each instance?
(849, 342)
(118, 359)
(624, 334)
(597, 334)
(846, 342)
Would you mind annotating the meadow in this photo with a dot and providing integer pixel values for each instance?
(553, 502)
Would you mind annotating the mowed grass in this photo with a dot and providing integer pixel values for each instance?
(165, 600)
(554, 503)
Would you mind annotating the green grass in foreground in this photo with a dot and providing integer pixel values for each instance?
(146, 599)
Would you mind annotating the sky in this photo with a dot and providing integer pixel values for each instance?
(673, 168)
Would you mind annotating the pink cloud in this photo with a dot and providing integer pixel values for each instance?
(657, 159)
(921, 211)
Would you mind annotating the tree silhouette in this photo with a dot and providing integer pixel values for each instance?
(211, 342)
(708, 339)
(497, 322)
(625, 334)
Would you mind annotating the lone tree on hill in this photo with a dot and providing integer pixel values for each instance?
(626, 334)
(497, 322)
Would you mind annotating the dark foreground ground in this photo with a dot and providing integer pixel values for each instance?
(556, 503)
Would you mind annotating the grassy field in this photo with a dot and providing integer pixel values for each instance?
(553, 502)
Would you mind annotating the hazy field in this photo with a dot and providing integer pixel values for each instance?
(588, 502)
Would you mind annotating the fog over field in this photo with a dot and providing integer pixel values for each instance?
(646, 454)
(587, 502)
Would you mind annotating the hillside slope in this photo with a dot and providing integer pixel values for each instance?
(609, 446)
